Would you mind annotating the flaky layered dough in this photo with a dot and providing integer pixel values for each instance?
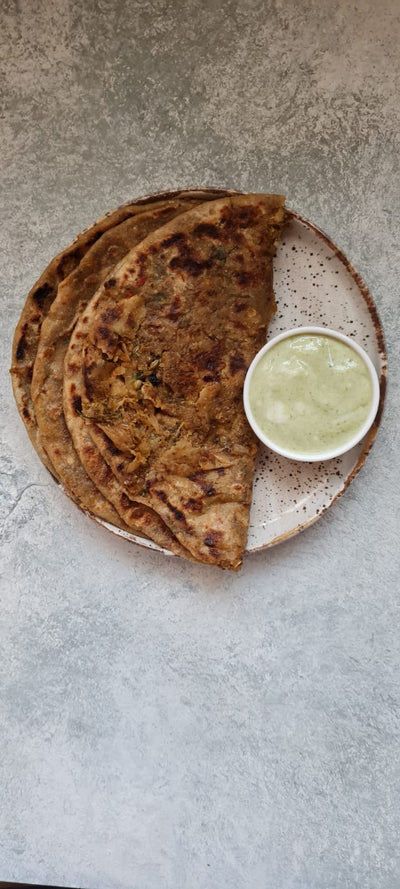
(36, 308)
(44, 291)
(42, 335)
(46, 390)
(154, 372)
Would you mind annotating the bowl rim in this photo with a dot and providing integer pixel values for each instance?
(332, 452)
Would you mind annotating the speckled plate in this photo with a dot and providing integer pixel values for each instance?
(314, 284)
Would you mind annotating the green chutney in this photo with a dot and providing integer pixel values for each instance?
(310, 393)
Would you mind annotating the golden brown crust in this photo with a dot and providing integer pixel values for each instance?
(73, 294)
(167, 341)
(36, 308)
(184, 476)
(48, 317)
(44, 291)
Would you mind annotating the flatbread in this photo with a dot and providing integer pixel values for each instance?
(44, 291)
(72, 297)
(36, 308)
(48, 317)
(155, 368)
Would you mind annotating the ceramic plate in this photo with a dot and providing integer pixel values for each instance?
(314, 285)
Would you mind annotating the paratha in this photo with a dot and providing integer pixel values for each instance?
(72, 297)
(49, 314)
(36, 308)
(155, 369)
(44, 291)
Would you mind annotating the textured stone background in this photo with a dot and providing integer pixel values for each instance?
(162, 725)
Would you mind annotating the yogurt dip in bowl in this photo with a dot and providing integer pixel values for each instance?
(311, 394)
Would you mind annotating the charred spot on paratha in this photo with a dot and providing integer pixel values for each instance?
(244, 278)
(214, 538)
(112, 313)
(22, 344)
(77, 404)
(207, 229)
(236, 364)
(42, 293)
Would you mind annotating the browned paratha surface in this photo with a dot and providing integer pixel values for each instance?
(167, 454)
(48, 318)
(72, 297)
(36, 308)
(44, 292)
(155, 369)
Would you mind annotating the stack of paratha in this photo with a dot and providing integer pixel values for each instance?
(129, 361)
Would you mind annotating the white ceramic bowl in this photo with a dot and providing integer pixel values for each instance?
(327, 454)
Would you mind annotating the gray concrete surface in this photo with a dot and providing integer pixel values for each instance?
(162, 725)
